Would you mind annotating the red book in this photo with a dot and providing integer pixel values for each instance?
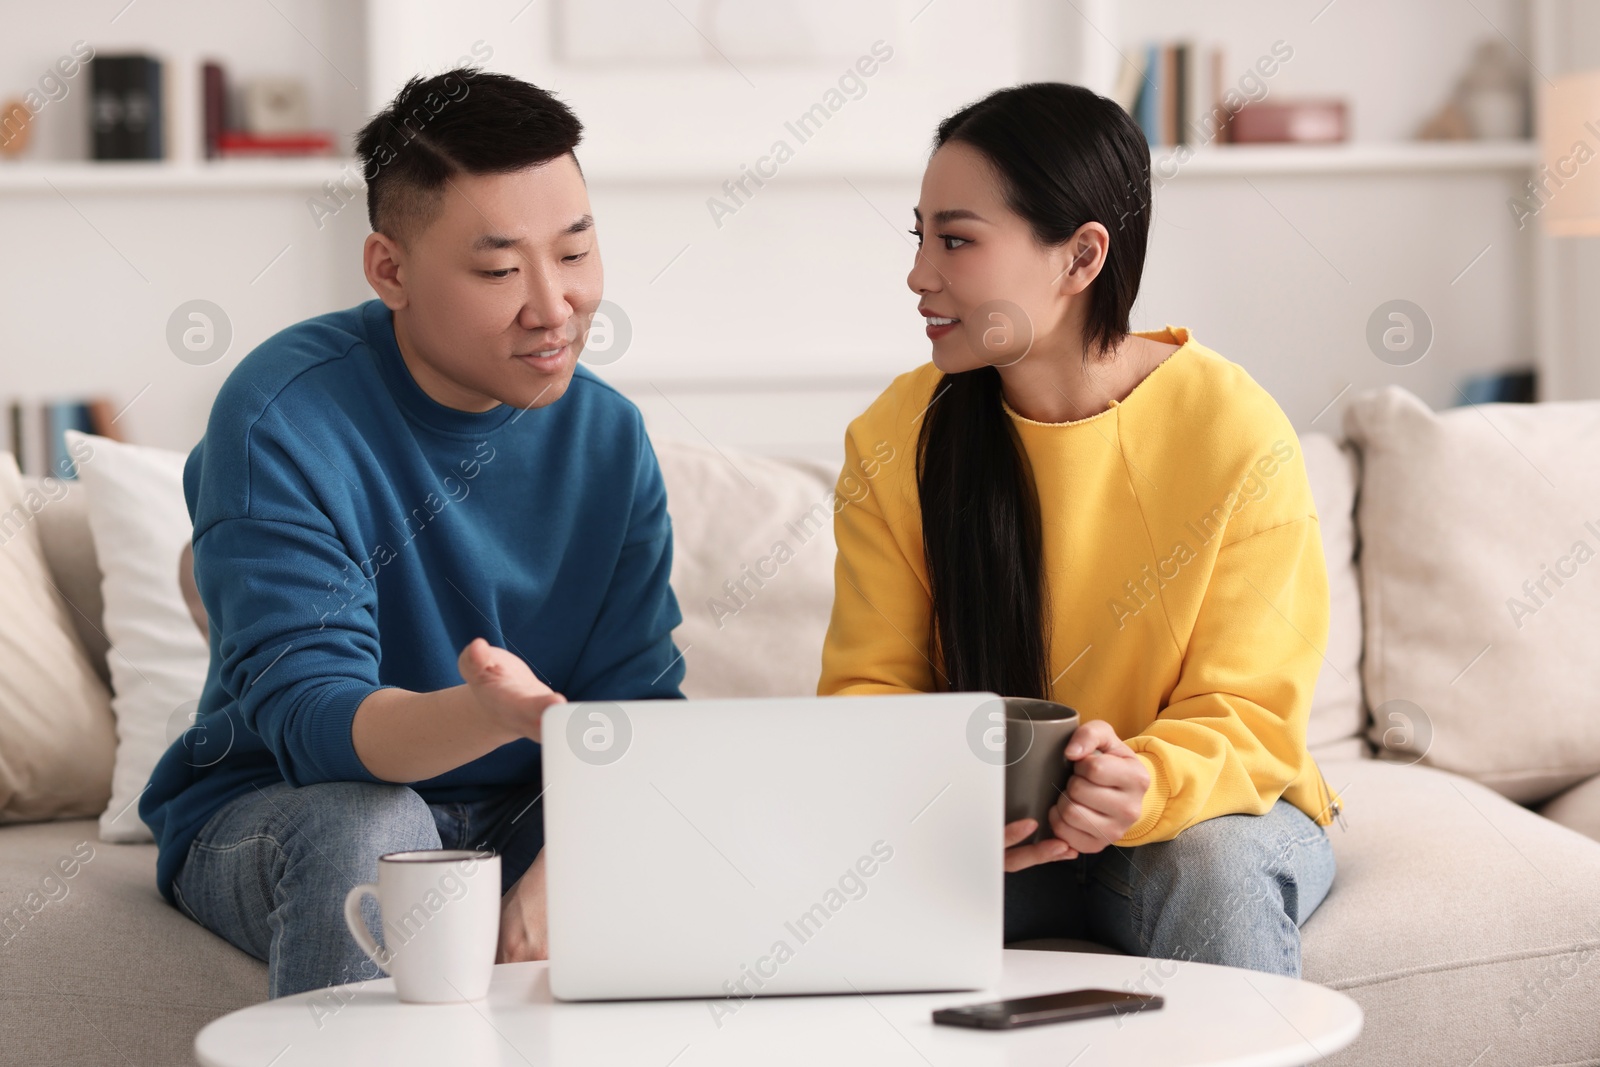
(304, 143)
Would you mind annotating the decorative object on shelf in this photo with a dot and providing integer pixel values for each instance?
(276, 105)
(1291, 122)
(1489, 101)
(54, 85)
(1565, 191)
(125, 107)
(16, 126)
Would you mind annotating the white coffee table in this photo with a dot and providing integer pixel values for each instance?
(1213, 1015)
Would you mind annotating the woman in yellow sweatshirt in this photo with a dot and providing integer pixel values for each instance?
(1119, 521)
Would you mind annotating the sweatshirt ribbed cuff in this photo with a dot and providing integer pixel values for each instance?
(333, 749)
(1155, 802)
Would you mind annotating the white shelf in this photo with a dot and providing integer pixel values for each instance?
(161, 176)
(1420, 157)
(1216, 160)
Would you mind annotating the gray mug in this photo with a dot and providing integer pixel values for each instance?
(1037, 768)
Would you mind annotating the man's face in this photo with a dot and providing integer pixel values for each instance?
(494, 297)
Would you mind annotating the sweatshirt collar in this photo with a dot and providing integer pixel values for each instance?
(1172, 335)
(410, 396)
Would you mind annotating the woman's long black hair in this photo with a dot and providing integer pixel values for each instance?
(1065, 156)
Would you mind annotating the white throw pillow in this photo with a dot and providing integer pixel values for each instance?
(56, 734)
(1480, 570)
(752, 567)
(1338, 716)
(158, 660)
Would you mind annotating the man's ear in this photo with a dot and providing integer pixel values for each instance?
(1082, 256)
(383, 259)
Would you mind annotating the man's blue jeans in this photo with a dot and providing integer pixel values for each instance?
(1232, 890)
(269, 873)
(270, 869)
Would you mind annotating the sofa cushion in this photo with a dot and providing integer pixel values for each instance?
(1459, 921)
(99, 968)
(1479, 527)
(1577, 808)
(69, 550)
(56, 732)
(1338, 715)
(752, 567)
(158, 667)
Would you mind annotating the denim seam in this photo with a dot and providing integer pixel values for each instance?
(218, 849)
(268, 883)
(1136, 909)
(1114, 885)
(267, 887)
(1281, 871)
(183, 905)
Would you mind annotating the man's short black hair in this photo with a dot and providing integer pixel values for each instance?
(465, 120)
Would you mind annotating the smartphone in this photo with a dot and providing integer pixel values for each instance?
(1050, 1008)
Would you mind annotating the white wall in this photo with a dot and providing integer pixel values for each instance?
(774, 327)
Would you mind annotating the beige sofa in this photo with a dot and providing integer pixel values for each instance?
(1464, 923)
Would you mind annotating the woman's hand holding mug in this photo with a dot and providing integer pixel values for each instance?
(1104, 797)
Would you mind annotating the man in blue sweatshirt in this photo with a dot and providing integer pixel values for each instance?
(417, 523)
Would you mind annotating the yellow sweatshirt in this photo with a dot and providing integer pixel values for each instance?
(1184, 572)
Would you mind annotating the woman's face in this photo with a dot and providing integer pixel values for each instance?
(979, 265)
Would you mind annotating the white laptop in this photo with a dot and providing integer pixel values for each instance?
(756, 847)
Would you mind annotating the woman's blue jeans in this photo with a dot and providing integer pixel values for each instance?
(270, 869)
(1232, 890)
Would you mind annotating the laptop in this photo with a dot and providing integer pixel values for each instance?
(761, 847)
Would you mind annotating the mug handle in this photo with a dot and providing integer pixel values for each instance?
(358, 925)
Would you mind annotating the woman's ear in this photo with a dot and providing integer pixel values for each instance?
(1082, 256)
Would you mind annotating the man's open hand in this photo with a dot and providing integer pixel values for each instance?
(507, 691)
(523, 930)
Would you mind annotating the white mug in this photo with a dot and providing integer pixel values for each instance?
(441, 922)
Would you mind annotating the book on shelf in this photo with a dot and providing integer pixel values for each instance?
(1519, 385)
(125, 104)
(230, 134)
(36, 432)
(235, 144)
(127, 117)
(214, 93)
(1174, 90)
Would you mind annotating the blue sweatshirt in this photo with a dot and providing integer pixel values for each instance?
(352, 534)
